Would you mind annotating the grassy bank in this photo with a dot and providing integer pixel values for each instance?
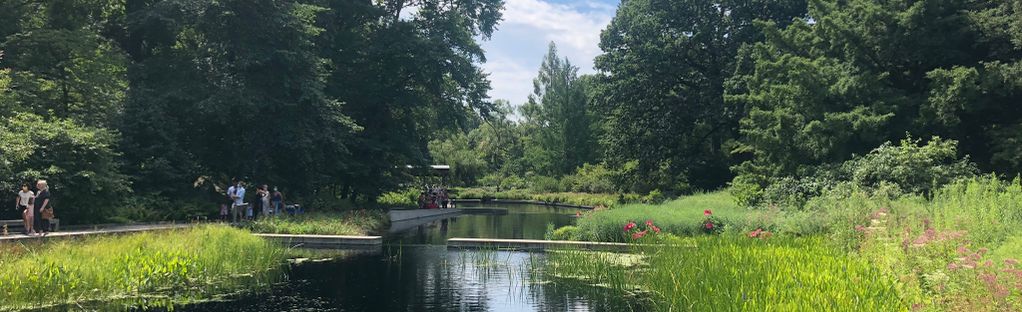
(157, 268)
(958, 251)
(736, 273)
(578, 199)
(353, 222)
(680, 217)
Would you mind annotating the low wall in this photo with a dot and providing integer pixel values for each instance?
(404, 215)
(534, 244)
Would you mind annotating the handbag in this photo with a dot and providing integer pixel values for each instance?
(48, 213)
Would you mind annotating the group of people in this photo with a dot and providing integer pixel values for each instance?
(435, 197)
(35, 208)
(265, 203)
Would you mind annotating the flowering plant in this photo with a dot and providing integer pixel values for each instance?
(712, 224)
(633, 230)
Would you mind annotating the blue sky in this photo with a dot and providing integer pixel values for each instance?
(517, 47)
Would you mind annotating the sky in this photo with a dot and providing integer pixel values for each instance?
(516, 49)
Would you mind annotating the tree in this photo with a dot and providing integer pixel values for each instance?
(860, 73)
(80, 163)
(561, 138)
(230, 88)
(665, 68)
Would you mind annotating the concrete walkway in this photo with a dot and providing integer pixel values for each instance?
(119, 229)
(405, 215)
(533, 244)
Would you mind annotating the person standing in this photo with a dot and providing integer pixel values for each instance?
(25, 197)
(237, 194)
(40, 203)
(265, 200)
(277, 201)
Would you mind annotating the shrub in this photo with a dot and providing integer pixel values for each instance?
(405, 198)
(79, 162)
(914, 168)
(544, 184)
(565, 233)
(591, 179)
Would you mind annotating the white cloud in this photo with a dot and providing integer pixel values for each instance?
(517, 48)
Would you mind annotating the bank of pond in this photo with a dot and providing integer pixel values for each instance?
(851, 251)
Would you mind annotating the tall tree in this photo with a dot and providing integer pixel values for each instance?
(230, 88)
(561, 138)
(859, 73)
(665, 66)
(404, 78)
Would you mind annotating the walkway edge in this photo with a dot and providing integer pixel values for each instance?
(323, 240)
(405, 215)
(75, 234)
(533, 244)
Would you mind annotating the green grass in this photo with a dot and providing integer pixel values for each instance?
(354, 222)
(578, 199)
(155, 268)
(736, 273)
(681, 217)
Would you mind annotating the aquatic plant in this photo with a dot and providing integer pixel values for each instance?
(154, 268)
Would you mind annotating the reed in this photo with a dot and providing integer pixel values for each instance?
(155, 268)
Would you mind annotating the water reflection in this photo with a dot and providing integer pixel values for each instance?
(425, 278)
(491, 221)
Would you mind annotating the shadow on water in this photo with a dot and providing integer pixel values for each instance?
(415, 271)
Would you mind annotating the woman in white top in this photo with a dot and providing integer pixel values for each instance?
(24, 202)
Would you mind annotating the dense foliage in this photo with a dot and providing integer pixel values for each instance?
(168, 100)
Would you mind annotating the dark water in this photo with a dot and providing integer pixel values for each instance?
(415, 271)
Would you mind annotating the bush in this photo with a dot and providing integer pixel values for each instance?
(565, 233)
(79, 162)
(914, 168)
(544, 184)
(591, 179)
(405, 198)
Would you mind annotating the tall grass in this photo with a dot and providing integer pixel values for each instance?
(156, 267)
(681, 217)
(353, 222)
(735, 273)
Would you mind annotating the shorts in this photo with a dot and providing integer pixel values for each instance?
(25, 209)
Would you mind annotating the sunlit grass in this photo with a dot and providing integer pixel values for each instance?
(354, 222)
(149, 268)
(735, 273)
(681, 217)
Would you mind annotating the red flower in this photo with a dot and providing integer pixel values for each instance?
(707, 212)
(755, 233)
(629, 226)
(639, 235)
(709, 225)
(655, 228)
(649, 222)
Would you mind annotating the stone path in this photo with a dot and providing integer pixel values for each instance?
(116, 229)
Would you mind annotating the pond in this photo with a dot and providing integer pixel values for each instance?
(415, 271)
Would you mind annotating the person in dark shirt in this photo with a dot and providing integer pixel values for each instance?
(42, 201)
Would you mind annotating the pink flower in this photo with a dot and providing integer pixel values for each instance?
(649, 222)
(952, 266)
(655, 228)
(755, 233)
(578, 214)
(709, 225)
(629, 226)
(639, 235)
(707, 212)
(1010, 262)
(860, 228)
(962, 250)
